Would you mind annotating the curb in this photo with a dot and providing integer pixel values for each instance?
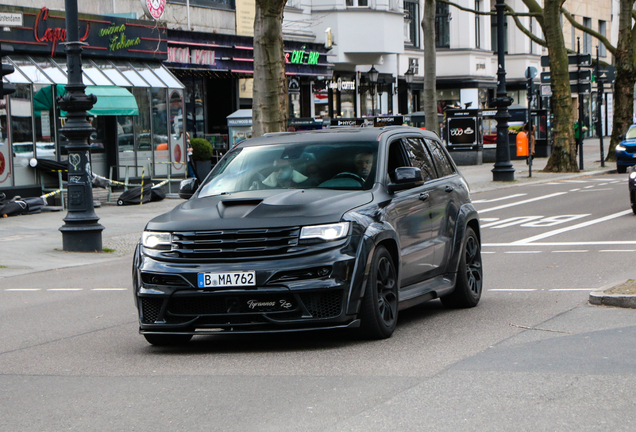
(603, 297)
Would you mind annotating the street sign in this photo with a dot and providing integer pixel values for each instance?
(606, 75)
(581, 88)
(573, 60)
(546, 91)
(584, 75)
(531, 72)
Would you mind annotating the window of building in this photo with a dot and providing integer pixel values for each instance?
(531, 31)
(602, 29)
(477, 25)
(442, 25)
(414, 63)
(217, 4)
(573, 34)
(587, 38)
(493, 33)
(359, 3)
(412, 23)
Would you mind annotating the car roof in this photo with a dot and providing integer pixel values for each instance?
(347, 134)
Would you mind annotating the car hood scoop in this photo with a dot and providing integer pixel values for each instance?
(256, 209)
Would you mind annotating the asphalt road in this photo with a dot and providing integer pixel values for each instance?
(533, 356)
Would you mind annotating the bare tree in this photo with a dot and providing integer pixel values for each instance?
(563, 157)
(430, 66)
(269, 103)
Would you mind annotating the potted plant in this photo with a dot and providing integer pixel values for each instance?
(201, 156)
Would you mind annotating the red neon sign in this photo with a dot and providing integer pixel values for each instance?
(53, 35)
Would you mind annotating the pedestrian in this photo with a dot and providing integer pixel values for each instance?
(189, 161)
(531, 137)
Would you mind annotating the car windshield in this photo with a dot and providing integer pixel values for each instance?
(294, 166)
(631, 133)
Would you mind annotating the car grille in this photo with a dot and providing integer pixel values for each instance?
(232, 309)
(630, 148)
(269, 242)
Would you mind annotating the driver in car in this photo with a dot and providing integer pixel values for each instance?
(363, 163)
(284, 175)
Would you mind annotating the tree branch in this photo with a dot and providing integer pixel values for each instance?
(510, 12)
(534, 38)
(589, 31)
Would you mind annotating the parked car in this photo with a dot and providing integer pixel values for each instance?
(626, 150)
(326, 229)
(632, 187)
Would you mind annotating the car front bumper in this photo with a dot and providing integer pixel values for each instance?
(291, 294)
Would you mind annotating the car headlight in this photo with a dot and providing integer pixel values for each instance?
(156, 240)
(325, 232)
(632, 175)
(620, 148)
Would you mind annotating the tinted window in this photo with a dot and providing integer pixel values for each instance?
(442, 163)
(420, 158)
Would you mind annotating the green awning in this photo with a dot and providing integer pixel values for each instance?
(111, 101)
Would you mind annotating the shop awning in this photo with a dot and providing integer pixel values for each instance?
(111, 101)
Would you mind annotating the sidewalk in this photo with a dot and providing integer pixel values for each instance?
(33, 243)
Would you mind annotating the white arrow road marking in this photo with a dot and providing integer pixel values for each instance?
(522, 202)
(573, 227)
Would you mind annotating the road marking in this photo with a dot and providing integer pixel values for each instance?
(499, 199)
(484, 252)
(522, 202)
(570, 251)
(23, 289)
(64, 289)
(522, 252)
(587, 187)
(575, 181)
(597, 190)
(618, 250)
(109, 289)
(574, 190)
(573, 227)
(513, 290)
(573, 289)
(592, 243)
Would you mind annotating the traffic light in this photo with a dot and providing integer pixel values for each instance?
(6, 69)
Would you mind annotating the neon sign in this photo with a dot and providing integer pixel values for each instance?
(53, 35)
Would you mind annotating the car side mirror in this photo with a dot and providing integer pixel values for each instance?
(405, 178)
(188, 187)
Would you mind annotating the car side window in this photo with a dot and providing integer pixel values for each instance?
(442, 163)
(420, 157)
(396, 158)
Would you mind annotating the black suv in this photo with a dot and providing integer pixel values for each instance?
(324, 229)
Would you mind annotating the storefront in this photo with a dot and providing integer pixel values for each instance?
(139, 102)
(218, 70)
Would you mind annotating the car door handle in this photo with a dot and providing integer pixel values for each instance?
(449, 189)
(423, 196)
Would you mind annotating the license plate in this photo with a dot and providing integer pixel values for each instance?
(229, 279)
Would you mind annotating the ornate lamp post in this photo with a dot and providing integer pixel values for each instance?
(408, 77)
(373, 79)
(503, 170)
(81, 232)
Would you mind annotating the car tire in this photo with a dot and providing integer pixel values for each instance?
(167, 339)
(469, 283)
(379, 310)
(621, 169)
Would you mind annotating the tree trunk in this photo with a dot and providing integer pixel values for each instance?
(430, 67)
(269, 103)
(625, 78)
(563, 157)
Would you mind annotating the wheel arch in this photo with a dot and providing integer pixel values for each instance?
(467, 218)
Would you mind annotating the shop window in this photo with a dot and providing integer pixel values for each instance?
(215, 4)
(160, 137)
(442, 25)
(44, 121)
(22, 135)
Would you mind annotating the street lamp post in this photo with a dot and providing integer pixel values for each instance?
(373, 79)
(408, 77)
(503, 170)
(81, 232)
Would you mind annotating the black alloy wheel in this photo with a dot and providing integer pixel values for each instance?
(468, 286)
(379, 310)
(167, 339)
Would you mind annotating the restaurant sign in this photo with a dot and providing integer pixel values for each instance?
(44, 31)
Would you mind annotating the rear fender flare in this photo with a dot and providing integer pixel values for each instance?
(467, 215)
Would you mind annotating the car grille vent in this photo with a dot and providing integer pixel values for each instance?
(150, 309)
(162, 279)
(269, 242)
(323, 305)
